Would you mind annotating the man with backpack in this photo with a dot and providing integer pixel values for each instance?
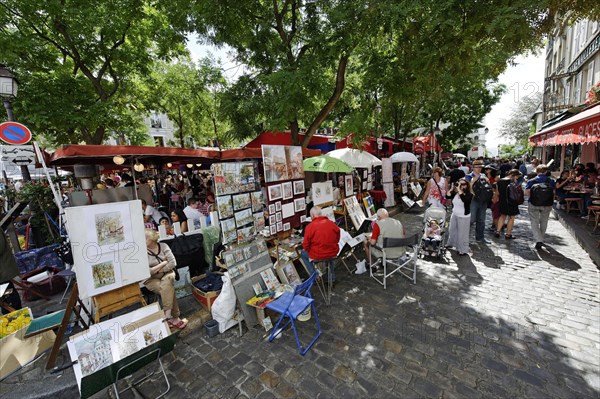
(482, 188)
(540, 190)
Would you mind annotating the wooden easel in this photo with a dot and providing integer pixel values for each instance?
(74, 306)
(112, 301)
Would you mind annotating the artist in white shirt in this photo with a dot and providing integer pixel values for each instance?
(151, 214)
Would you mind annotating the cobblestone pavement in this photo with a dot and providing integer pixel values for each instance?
(508, 321)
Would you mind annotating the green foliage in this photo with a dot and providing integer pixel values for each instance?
(518, 126)
(76, 61)
(187, 94)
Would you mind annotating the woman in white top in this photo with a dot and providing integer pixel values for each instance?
(460, 221)
(435, 191)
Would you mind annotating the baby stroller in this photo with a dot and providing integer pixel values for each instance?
(433, 240)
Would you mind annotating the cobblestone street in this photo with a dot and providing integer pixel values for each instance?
(508, 321)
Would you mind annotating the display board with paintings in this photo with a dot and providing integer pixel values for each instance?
(108, 244)
(249, 265)
(322, 193)
(239, 201)
(355, 212)
(110, 341)
(285, 195)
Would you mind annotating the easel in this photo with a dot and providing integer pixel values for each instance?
(74, 305)
(112, 301)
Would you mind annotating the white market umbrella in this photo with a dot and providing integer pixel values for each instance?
(404, 157)
(355, 158)
(457, 155)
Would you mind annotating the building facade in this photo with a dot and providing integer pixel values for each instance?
(572, 67)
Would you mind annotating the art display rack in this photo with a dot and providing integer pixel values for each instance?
(95, 382)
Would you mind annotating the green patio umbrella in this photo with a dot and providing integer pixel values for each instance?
(326, 164)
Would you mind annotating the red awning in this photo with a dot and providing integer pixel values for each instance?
(71, 154)
(422, 144)
(249, 153)
(578, 129)
(283, 138)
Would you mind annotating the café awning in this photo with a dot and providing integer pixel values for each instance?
(71, 154)
(581, 128)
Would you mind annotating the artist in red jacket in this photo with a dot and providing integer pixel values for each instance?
(321, 238)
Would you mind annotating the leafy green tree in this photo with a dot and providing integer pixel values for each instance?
(296, 53)
(76, 61)
(517, 127)
(186, 93)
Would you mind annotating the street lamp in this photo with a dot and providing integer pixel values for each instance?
(9, 85)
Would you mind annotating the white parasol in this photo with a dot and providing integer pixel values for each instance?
(457, 155)
(355, 158)
(404, 157)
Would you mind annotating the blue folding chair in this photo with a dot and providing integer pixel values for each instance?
(293, 304)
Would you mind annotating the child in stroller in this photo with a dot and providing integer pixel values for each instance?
(433, 236)
(432, 242)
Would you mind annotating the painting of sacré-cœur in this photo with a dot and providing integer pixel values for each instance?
(109, 228)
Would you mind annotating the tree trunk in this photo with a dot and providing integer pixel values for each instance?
(295, 133)
(340, 82)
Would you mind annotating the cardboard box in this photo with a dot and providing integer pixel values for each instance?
(16, 350)
(205, 299)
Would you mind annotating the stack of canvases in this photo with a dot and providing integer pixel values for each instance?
(239, 201)
(284, 175)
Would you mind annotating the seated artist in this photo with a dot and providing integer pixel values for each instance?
(321, 238)
(162, 276)
(385, 227)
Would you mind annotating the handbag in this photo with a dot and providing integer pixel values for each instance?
(443, 201)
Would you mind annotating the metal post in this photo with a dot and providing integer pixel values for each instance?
(9, 114)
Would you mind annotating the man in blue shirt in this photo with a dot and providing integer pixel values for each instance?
(540, 190)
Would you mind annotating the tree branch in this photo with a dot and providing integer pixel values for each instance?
(340, 82)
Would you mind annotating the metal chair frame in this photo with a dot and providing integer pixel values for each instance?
(409, 265)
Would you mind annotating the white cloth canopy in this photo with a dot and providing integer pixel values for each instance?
(404, 157)
(355, 158)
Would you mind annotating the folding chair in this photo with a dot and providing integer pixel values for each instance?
(293, 304)
(401, 264)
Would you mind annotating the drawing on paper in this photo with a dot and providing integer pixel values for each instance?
(275, 192)
(127, 347)
(241, 201)
(287, 190)
(257, 201)
(274, 163)
(152, 333)
(224, 207)
(93, 353)
(298, 187)
(293, 158)
(109, 228)
(103, 274)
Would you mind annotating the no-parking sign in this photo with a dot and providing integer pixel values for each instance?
(14, 133)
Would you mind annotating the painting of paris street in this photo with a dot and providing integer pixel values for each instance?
(109, 228)
(103, 274)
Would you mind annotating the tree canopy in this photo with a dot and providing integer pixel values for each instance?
(89, 69)
(76, 61)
